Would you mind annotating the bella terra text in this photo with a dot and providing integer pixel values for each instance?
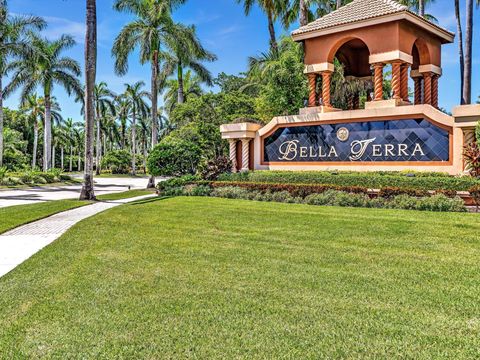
(291, 151)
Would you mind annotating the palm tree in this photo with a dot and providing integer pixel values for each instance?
(302, 10)
(46, 69)
(123, 113)
(274, 9)
(88, 192)
(13, 42)
(134, 97)
(186, 52)
(104, 105)
(465, 50)
(70, 137)
(191, 87)
(33, 108)
(460, 50)
(147, 32)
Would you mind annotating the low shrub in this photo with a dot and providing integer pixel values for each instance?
(441, 203)
(390, 192)
(295, 190)
(371, 180)
(117, 161)
(214, 168)
(475, 193)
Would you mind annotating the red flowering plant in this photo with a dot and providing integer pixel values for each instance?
(471, 155)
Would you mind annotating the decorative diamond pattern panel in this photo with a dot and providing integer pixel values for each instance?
(386, 141)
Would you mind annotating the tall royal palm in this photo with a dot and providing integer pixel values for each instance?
(46, 69)
(186, 52)
(88, 192)
(104, 106)
(274, 9)
(147, 32)
(13, 43)
(135, 99)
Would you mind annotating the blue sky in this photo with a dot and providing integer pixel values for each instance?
(223, 28)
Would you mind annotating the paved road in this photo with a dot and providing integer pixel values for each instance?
(19, 244)
(48, 193)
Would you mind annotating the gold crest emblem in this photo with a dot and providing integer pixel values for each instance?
(343, 134)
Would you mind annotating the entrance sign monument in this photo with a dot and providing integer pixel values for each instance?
(393, 134)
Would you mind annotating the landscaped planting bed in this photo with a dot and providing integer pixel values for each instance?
(372, 180)
(333, 195)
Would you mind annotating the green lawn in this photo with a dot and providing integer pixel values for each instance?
(125, 195)
(13, 216)
(215, 278)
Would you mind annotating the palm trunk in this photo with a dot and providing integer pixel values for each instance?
(460, 49)
(47, 136)
(1, 122)
(271, 30)
(35, 143)
(99, 146)
(90, 75)
(154, 85)
(145, 155)
(79, 159)
(53, 157)
(421, 8)
(61, 158)
(70, 166)
(303, 13)
(134, 142)
(181, 92)
(467, 78)
(339, 4)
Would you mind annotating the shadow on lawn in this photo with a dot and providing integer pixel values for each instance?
(149, 200)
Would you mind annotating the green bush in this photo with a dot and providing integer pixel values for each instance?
(117, 161)
(372, 180)
(441, 203)
(173, 158)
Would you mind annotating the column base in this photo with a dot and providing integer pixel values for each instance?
(381, 104)
(317, 109)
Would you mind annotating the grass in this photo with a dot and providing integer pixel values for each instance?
(13, 216)
(215, 278)
(125, 195)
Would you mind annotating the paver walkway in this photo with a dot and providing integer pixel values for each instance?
(21, 243)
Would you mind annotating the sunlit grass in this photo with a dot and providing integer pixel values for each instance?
(215, 278)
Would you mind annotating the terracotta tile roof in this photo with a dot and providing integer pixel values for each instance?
(357, 10)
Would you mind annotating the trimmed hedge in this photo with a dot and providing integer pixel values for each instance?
(373, 180)
(327, 198)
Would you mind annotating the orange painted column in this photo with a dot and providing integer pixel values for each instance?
(396, 80)
(418, 90)
(435, 91)
(427, 97)
(312, 83)
(404, 82)
(378, 81)
(326, 88)
(233, 154)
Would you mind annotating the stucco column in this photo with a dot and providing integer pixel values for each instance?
(378, 80)
(418, 90)
(312, 84)
(427, 96)
(233, 153)
(435, 90)
(326, 85)
(245, 154)
(396, 80)
(404, 81)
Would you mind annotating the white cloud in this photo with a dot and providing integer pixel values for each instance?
(59, 26)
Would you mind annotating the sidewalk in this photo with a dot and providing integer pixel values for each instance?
(19, 244)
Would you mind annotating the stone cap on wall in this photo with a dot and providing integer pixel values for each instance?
(244, 130)
(466, 116)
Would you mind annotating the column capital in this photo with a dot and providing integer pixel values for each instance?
(391, 56)
(318, 68)
(430, 68)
